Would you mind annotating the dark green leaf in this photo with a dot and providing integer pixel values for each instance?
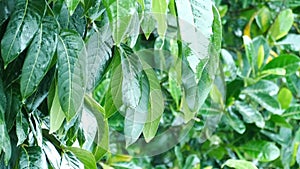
(280, 121)
(21, 28)
(32, 157)
(6, 7)
(22, 127)
(71, 72)
(39, 56)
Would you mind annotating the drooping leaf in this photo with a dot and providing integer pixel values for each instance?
(123, 19)
(32, 157)
(57, 115)
(155, 105)
(71, 72)
(98, 55)
(72, 4)
(148, 23)
(21, 28)
(22, 127)
(102, 138)
(282, 24)
(250, 115)
(39, 56)
(261, 150)
(86, 157)
(5, 145)
(239, 164)
(159, 10)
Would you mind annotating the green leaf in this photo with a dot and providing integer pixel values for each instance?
(148, 23)
(217, 30)
(285, 97)
(99, 55)
(39, 56)
(292, 112)
(261, 150)
(250, 53)
(32, 157)
(6, 7)
(234, 121)
(239, 164)
(5, 144)
(22, 127)
(123, 19)
(86, 157)
(191, 161)
(102, 140)
(52, 154)
(57, 115)
(262, 86)
(291, 42)
(69, 160)
(281, 121)
(250, 115)
(263, 19)
(72, 4)
(21, 28)
(155, 105)
(282, 24)
(159, 10)
(71, 72)
(289, 62)
(266, 101)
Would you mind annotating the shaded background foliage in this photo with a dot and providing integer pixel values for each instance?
(250, 118)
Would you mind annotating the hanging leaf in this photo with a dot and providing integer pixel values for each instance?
(148, 23)
(71, 72)
(21, 28)
(32, 157)
(52, 154)
(99, 55)
(39, 56)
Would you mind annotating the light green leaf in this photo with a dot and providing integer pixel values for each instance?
(86, 157)
(72, 4)
(266, 101)
(99, 55)
(148, 23)
(250, 115)
(262, 86)
(123, 18)
(290, 62)
(282, 24)
(21, 28)
(22, 127)
(91, 106)
(155, 105)
(159, 10)
(217, 30)
(250, 53)
(239, 164)
(261, 150)
(39, 56)
(32, 157)
(263, 19)
(285, 97)
(5, 144)
(71, 72)
(57, 115)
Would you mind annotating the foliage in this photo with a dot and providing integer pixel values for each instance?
(94, 84)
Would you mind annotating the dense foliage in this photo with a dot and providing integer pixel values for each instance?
(146, 84)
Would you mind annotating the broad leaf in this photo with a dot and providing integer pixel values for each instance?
(239, 164)
(285, 97)
(263, 19)
(69, 161)
(72, 4)
(250, 115)
(261, 150)
(71, 72)
(289, 62)
(32, 157)
(235, 122)
(266, 101)
(98, 56)
(39, 56)
(86, 157)
(282, 24)
(52, 154)
(262, 86)
(21, 28)
(148, 23)
(292, 112)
